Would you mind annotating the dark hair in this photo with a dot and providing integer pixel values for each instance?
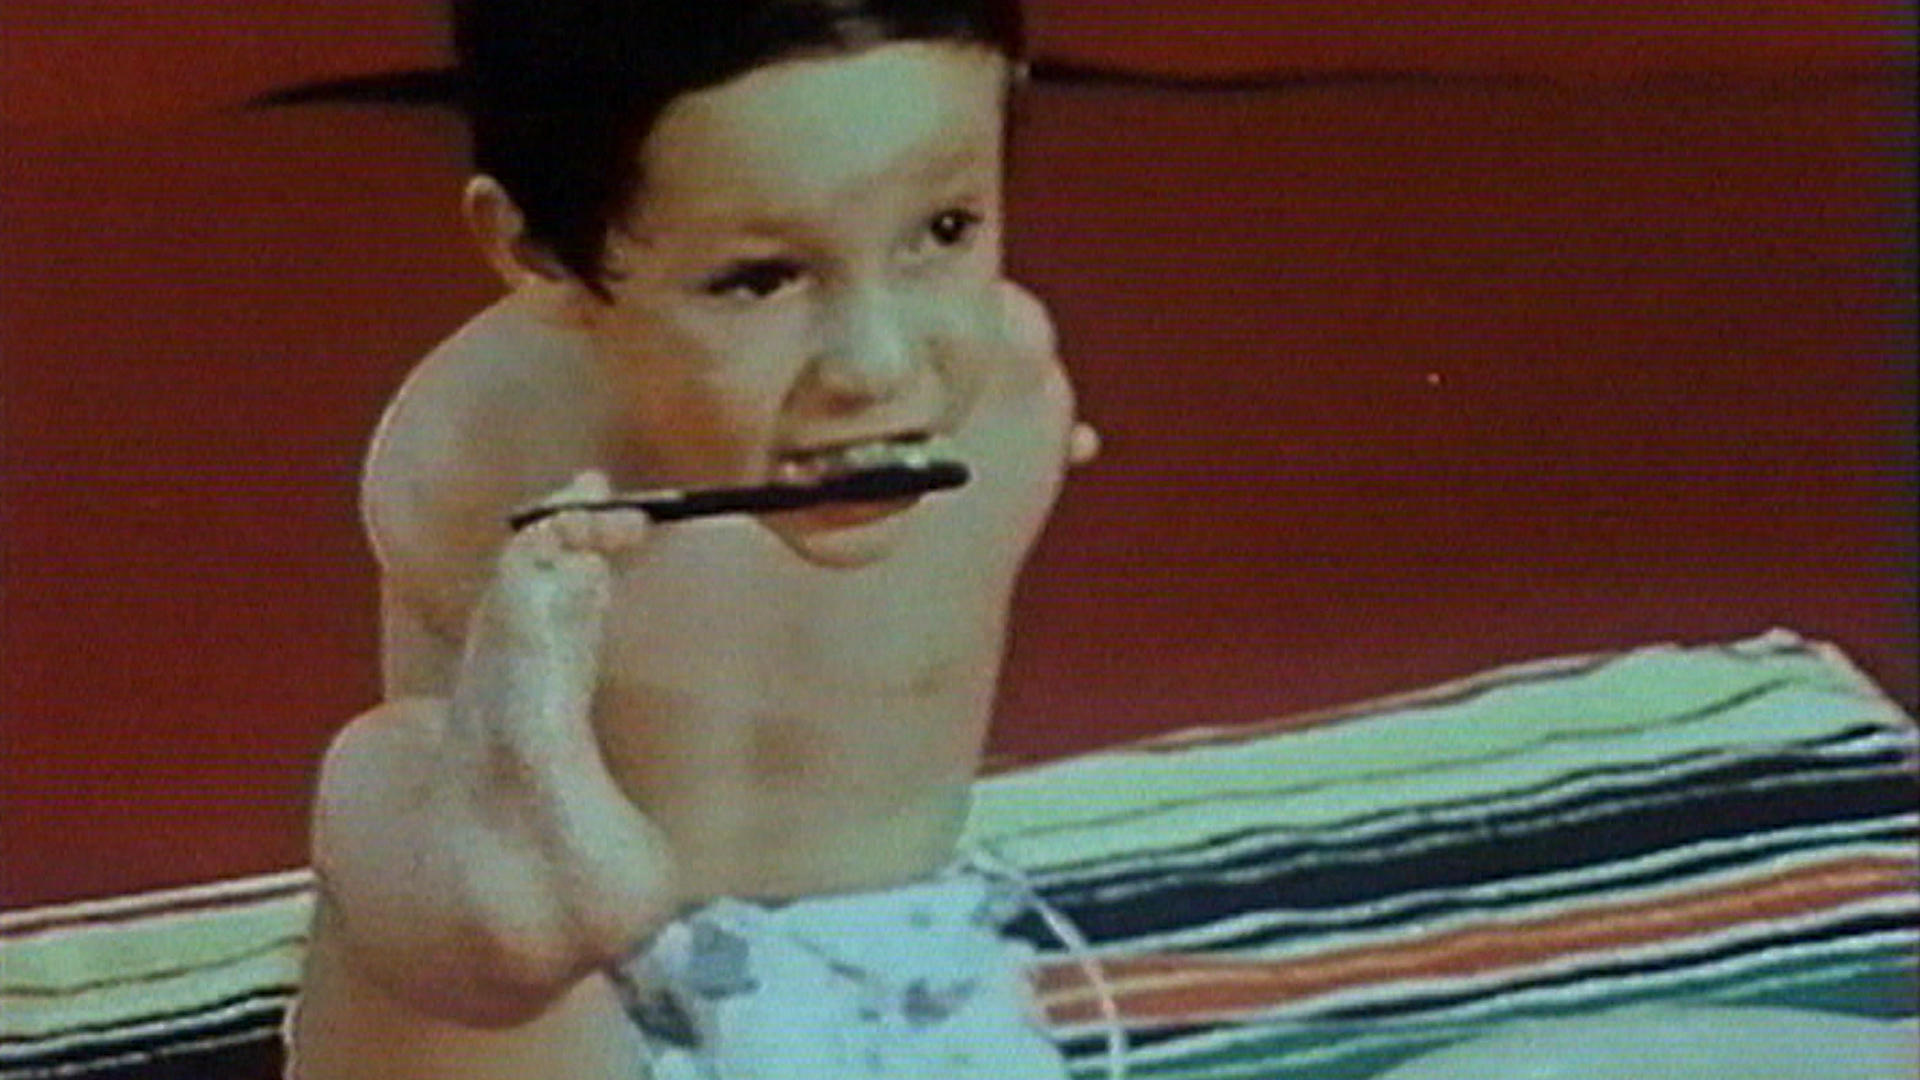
(561, 93)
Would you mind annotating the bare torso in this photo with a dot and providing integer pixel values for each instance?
(598, 722)
(794, 728)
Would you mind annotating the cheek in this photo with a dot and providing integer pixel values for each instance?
(689, 426)
(708, 405)
(984, 352)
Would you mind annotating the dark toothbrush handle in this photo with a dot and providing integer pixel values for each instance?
(864, 485)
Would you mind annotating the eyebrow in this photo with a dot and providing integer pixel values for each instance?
(942, 167)
(945, 165)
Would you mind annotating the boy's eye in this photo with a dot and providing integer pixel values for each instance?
(949, 229)
(756, 279)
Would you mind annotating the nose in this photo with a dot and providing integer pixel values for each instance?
(871, 351)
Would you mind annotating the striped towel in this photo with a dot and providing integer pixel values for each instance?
(1320, 899)
(1731, 824)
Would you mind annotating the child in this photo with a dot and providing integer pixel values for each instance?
(684, 799)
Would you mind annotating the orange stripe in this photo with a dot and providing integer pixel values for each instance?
(1168, 986)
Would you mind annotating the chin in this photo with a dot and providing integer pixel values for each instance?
(848, 537)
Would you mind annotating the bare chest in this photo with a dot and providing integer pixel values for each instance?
(787, 736)
(723, 615)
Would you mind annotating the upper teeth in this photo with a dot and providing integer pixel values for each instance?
(808, 468)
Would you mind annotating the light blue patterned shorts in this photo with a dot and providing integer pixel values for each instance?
(911, 982)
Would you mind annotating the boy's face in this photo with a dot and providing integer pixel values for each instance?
(816, 244)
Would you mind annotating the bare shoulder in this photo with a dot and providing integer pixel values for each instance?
(346, 1026)
(1681, 1042)
(494, 416)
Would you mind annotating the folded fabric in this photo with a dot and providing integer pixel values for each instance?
(1727, 824)
(1317, 897)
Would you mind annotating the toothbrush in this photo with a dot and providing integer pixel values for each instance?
(872, 484)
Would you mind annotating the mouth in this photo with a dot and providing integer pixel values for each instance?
(856, 484)
(817, 465)
(845, 483)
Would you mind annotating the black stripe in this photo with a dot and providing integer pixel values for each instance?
(1622, 969)
(268, 1001)
(1369, 1016)
(1341, 878)
(1905, 752)
(1471, 820)
(254, 1058)
(1317, 876)
(1380, 828)
(1339, 1023)
(1444, 904)
(1432, 823)
(1092, 1046)
(1204, 852)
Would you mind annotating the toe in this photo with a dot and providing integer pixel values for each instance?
(1083, 445)
(577, 530)
(621, 530)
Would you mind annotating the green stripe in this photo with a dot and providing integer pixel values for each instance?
(1878, 981)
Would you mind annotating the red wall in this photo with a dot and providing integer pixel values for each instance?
(1398, 381)
(135, 61)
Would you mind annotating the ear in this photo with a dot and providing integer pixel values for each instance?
(500, 230)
